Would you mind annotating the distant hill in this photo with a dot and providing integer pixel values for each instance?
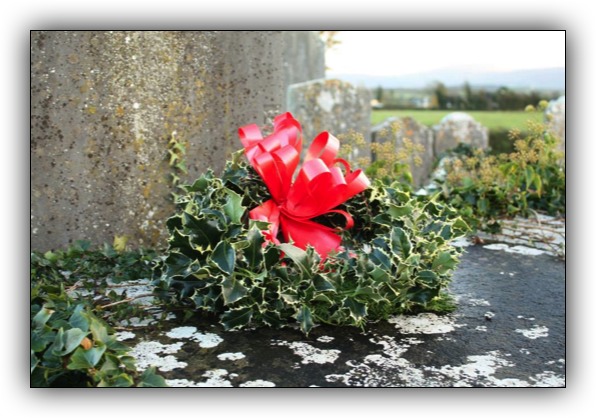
(538, 79)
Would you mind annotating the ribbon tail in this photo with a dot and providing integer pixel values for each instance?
(268, 212)
(305, 233)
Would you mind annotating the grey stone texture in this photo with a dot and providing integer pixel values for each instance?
(508, 331)
(456, 128)
(330, 105)
(108, 106)
(555, 119)
(304, 57)
(420, 136)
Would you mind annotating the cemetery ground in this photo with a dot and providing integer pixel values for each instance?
(508, 329)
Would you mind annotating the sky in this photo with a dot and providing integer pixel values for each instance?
(410, 52)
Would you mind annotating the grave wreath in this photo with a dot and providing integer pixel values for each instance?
(263, 246)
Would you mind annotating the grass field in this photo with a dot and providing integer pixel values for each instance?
(493, 120)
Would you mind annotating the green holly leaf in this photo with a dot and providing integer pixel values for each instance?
(380, 258)
(204, 232)
(236, 318)
(224, 257)
(444, 262)
(397, 211)
(321, 284)
(254, 252)
(400, 242)
(304, 317)
(428, 278)
(357, 309)
(233, 207)
(232, 290)
(300, 257)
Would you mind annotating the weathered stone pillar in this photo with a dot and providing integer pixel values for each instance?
(116, 115)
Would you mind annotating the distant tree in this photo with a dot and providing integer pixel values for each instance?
(379, 94)
(468, 96)
(441, 94)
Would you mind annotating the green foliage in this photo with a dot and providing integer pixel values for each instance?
(493, 120)
(71, 345)
(485, 188)
(397, 258)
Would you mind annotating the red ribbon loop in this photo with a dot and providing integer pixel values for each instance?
(319, 187)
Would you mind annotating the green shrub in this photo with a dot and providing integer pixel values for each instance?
(486, 188)
(397, 258)
(499, 141)
(71, 345)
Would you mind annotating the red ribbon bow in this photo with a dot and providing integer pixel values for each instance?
(319, 186)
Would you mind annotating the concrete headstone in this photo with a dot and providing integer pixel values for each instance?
(420, 136)
(456, 128)
(330, 105)
(555, 119)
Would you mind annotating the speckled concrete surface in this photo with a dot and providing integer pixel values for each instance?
(508, 331)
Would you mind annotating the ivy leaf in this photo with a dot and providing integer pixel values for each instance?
(224, 257)
(236, 318)
(232, 290)
(121, 380)
(304, 317)
(72, 339)
(233, 207)
(446, 232)
(149, 379)
(86, 359)
(34, 361)
(78, 319)
(40, 339)
(41, 317)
